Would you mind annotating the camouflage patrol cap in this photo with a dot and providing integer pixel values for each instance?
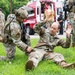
(21, 12)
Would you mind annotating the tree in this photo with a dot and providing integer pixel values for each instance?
(7, 8)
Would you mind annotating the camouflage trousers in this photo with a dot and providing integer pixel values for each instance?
(10, 51)
(37, 56)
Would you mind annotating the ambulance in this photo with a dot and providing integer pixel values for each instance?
(35, 11)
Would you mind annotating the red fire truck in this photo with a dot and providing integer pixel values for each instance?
(36, 13)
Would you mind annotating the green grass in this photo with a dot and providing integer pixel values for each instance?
(45, 67)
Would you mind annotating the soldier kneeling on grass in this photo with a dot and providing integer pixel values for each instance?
(12, 34)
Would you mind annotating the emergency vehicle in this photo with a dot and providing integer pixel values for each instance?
(36, 13)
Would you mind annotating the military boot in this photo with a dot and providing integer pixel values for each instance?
(29, 65)
(71, 65)
(66, 65)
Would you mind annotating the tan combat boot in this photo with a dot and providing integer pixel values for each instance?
(66, 65)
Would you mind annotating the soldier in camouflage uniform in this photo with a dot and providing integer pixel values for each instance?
(13, 30)
(2, 21)
(71, 15)
(24, 35)
(45, 47)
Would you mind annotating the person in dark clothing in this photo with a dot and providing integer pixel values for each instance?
(25, 36)
(60, 20)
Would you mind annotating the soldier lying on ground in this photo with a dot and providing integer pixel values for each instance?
(13, 29)
(45, 47)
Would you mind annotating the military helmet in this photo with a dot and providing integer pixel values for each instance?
(11, 17)
(21, 12)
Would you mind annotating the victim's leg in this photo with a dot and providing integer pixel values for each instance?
(34, 59)
(59, 59)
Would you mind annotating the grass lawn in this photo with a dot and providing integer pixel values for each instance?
(45, 67)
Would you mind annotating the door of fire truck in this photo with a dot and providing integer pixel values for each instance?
(40, 8)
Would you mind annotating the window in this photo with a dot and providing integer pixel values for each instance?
(58, 10)
(31, 12)
(37, 11)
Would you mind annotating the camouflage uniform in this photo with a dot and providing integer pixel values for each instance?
(71, 16)
(45, 47)
(21, 12)
(12, 30)
(71, 6)
(2, 21)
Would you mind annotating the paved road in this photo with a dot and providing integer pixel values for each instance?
(37, 36)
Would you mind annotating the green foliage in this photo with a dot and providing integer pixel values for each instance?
(45, 67)
(6, 5)
(33, 44)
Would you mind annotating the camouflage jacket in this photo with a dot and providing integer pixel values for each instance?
(13, 35)
(47, 41)
(12, 30)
